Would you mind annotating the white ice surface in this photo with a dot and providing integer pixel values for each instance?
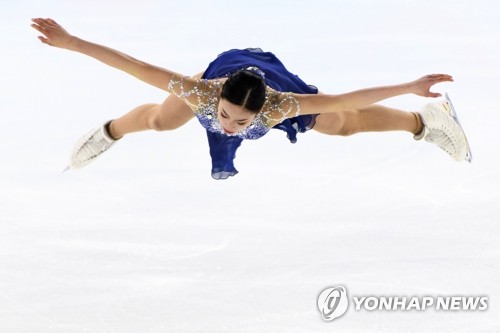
(145, 241)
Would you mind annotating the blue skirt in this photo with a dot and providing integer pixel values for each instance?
(223, 147)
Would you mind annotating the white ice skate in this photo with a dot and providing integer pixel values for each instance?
(90, 146)
(441, 127)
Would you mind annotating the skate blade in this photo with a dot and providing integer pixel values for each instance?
(468, 155)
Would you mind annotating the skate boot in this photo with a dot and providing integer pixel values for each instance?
(90, 146)
(441, 127)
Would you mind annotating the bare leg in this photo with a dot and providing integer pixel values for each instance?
(374, 118)
(171, 114)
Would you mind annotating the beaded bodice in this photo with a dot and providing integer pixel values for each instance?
(203, 97)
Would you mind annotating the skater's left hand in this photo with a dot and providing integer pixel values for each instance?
(421, 87)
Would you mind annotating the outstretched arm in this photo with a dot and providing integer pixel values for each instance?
(55, 35)
(311, 104)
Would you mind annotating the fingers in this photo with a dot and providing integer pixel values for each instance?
(39, 28)
(423, 85)
(39, 25)
(434, 95)
(440, 78)
(44, 40)
(434, 79)
(39, 22)
(47, 27)
(43, 24)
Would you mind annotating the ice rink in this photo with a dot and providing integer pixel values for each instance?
(144, 240)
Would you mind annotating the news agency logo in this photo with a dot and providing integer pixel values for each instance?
(333, 303)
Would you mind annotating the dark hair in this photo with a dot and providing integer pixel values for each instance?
(245, 88)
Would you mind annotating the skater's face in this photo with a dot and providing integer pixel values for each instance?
(234, 118)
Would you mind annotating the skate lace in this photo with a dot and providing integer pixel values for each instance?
(94, 146)
(442, 137)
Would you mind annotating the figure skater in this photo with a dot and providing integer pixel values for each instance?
(244, 93)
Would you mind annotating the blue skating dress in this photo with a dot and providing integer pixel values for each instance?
(222, 146)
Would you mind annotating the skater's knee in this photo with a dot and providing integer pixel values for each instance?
(350, 123)
(342, 123)
(156, 124)
(156, 121)
(170, 115)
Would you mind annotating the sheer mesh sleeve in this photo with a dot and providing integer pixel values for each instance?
(280, 106)
(196, 93)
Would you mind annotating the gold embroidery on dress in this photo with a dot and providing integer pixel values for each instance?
(279, 106)
(198, 94)
(203, 97)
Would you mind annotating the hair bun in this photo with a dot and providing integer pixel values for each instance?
(256, 70)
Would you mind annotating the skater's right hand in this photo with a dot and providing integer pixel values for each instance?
(53, 33)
